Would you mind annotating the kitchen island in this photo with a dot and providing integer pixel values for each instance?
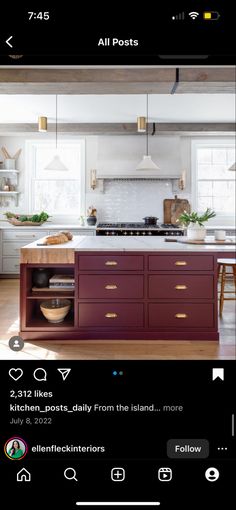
(125, 289)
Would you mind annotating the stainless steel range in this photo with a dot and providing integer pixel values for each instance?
(138, 229)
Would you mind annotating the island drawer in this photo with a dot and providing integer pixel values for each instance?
(111, 315)
(24, 235)
(110, 262)
(180, 286)
(180, 262)
(181, 315)
(111, 286)
(10, 265)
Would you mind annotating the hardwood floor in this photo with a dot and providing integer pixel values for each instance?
(69, 350)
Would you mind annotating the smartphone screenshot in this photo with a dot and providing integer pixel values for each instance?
(117, 257)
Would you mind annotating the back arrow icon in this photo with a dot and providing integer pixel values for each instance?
(8, 41)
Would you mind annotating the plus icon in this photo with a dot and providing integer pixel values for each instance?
(117, 474)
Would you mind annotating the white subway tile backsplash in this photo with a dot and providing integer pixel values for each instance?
(131, 200)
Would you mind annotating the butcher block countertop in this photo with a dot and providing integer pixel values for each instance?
(64, 253)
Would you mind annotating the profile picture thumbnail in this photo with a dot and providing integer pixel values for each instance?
(15, 448)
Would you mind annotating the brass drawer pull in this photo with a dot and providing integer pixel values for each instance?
(110, 263)
(180, 263)
(181, 316)
(111, 315)
(110, 287)
(181, 287)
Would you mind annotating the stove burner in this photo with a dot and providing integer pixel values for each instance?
(169, 225)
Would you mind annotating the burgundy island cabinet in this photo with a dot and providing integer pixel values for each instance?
(125, 289)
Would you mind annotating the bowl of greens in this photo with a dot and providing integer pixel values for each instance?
(34, 220)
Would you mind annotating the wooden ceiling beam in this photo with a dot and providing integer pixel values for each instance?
(116, 81)
(182, 128)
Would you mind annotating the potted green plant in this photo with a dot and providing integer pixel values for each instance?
(195, 223)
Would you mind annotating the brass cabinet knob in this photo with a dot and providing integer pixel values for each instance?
(181, 287)
(181, 316)
(111, 263)
(180, 263)
(111, 287)
(111, 315)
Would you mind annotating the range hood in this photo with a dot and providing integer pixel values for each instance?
(97, 180)
(137, 176)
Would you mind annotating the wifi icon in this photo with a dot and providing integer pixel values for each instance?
(193, 14)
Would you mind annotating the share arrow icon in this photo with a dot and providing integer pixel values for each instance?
(64, 372)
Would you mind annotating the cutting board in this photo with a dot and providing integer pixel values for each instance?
(173, 208)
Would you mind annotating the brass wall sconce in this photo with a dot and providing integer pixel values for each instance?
(93, 179)
(182, 181)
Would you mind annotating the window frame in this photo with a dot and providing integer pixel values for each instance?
(30, 167)
(203, 144)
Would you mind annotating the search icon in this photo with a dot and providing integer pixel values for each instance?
(40, 374)
(70, 474)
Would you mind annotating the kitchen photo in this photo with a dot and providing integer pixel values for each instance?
(117, 212)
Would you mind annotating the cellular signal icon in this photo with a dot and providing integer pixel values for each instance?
(193, 14)
(179, 16)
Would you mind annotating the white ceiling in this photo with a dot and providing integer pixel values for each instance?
(118, 108)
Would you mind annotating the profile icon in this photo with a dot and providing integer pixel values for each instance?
(212, 474)
(16, 343)
(15, 448)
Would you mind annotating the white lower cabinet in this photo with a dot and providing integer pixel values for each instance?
(11, 249)
(11, 241)
(11, 265)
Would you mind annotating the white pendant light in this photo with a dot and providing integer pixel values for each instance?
(232, 168)
(147, 163)
(56, 164)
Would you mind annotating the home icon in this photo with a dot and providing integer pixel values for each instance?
(23, 476)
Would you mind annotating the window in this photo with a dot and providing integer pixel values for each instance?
(213, 183)
(60, 191)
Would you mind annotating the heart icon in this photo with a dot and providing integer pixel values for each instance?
(15, 373)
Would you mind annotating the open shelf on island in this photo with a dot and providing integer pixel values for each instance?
(35, 318)
(34, 292)
(48, 293)
(44, 324)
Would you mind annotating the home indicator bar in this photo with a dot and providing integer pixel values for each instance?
(117, 503)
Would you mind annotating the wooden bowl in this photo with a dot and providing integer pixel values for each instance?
(17, 223)
(55, 310)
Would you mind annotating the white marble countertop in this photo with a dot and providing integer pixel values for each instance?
(75, 226)
(135, 243)
(220, 227)
(47, 226)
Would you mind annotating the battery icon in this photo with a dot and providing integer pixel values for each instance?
(211, 15)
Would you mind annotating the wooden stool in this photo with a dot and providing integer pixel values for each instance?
(224, 263)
